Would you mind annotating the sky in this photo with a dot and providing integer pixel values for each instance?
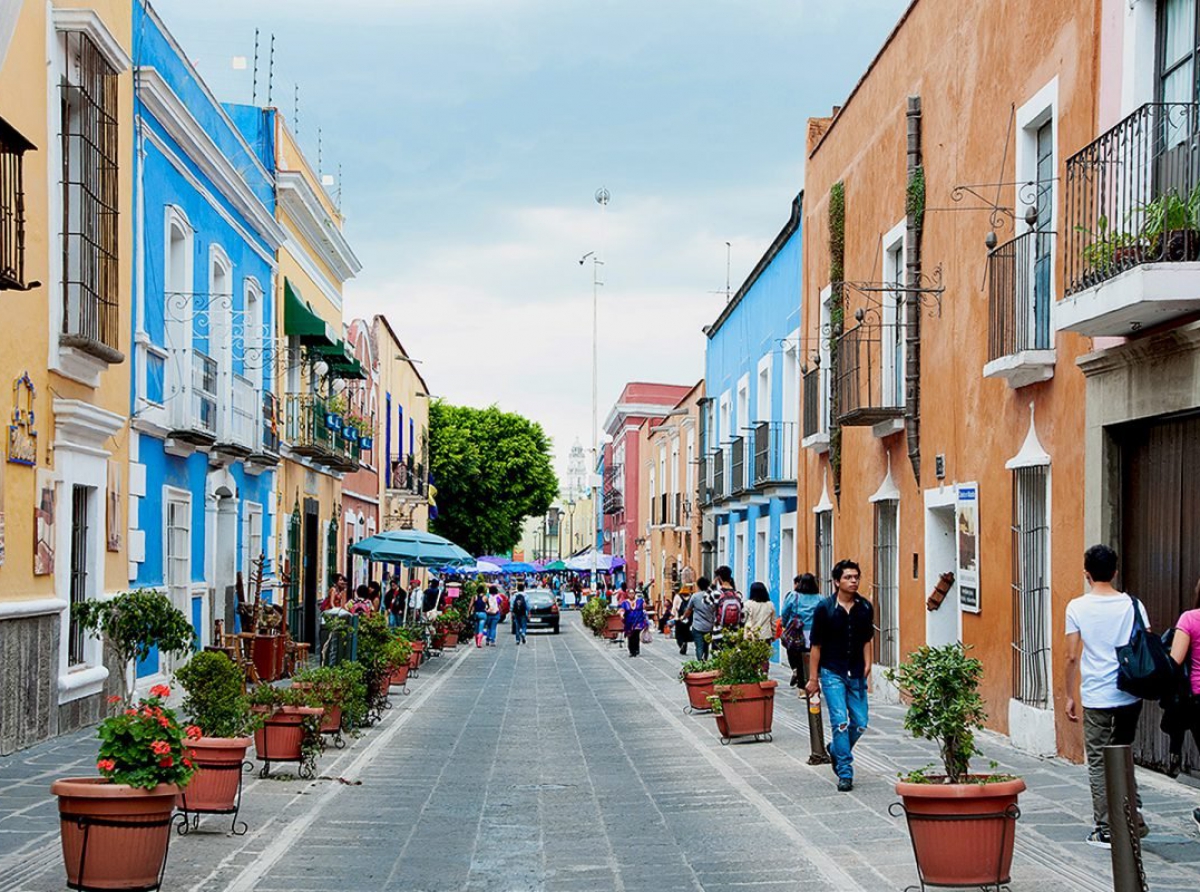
(472, 135)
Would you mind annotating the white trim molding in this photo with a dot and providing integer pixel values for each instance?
(297, 197)
(88, 22)
(32, 607)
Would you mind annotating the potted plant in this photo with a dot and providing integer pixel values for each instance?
(341, 692)
(134, 623)
(1171, 226)
(217, 705)
(289, 729)
(1109, 250)
(374, 640)
(414, 633)
(962, 824)
(698, 676)
(396, 655)
(115, 827)
(744, 698)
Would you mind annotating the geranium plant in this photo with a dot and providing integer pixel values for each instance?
(145, 745)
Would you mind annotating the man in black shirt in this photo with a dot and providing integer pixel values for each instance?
(843, 627)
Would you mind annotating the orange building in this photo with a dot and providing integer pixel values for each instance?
(943, 411)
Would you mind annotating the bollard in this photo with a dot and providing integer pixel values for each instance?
(1121, 789)
(816, 727)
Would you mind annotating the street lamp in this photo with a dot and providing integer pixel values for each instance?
(602, 198)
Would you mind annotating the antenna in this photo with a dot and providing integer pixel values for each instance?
(339, 189)
(296, 109)
(320, 157)
(271, 70)
(254, 80)
(728, 292)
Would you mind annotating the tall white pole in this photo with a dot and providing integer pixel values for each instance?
(602, 198)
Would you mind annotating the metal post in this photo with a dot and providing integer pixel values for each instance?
(1121, 789)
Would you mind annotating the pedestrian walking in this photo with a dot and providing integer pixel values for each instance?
(519, 614)
(479, 608)
(700, 614)
(666, 612)
(577, 591)
(843, 628)
(492, 609)
(730, 611)
(1183, 714)
(796, 618)
(760, 613)
(633, 611)
(679, 609)
(1098, 622)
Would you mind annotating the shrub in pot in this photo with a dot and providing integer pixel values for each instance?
(744, 699)
(699, 677)
(396, 654)
(289, 729)
(116, 827)
(340, 690)
(374, 649)
(217, 704)
(962, 824)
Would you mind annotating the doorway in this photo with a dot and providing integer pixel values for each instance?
(224, 598)
(312, 550)
(942, 626)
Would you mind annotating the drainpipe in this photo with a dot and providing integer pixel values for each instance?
(914, 219)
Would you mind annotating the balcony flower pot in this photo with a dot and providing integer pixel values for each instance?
(114, 836)
(1181, 245)
(962, 834)
(614, 625)
(700, 686)
(746, 710)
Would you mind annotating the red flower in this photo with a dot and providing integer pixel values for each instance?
(106, 765)
(131, 712)
(193, 732)
(166, 762)
(114, 699)
(164, 721)
(187, 763)
(160, 690)
(160, 748)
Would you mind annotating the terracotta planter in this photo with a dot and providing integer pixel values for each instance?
(268, 656)
(747, 710)
(414, 659)
(613, 626)
(128, 849)
(699, 687)
(399, 677)
(331, 721)
(213, 789)
(280, 738)
(439, 642)
(962, 834)
(451, 640)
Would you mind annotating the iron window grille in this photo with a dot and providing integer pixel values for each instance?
(1031, 586)
(79, 570)
(887, 584)
(824, 549)
(13, 147)
(90, 200)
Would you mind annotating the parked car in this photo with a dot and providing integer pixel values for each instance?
(543, 609)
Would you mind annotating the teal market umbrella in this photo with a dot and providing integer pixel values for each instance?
(412, 547)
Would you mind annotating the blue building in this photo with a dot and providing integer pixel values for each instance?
(204, 440)
(750, 421)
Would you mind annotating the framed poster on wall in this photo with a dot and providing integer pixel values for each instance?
(966, 525)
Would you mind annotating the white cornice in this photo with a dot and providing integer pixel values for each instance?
(89, 23)
(84, 427)
(169, 110)
(318, 228)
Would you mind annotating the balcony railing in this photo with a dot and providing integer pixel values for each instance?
(775, 452)
(307, 429)
(737, 465)
(867, 375)
(816, 401)
(242, 419)
(704, 482)
(720, 488)
(204, 395)
(1019, 298)
(614, 498)
(1131, 195)
(270, 425)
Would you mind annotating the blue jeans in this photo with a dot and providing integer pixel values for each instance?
(846, 700)
(480, 623)
(520, 626)
(493, 620)
(701, 639)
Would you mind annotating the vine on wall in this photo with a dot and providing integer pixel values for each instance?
(837, 275)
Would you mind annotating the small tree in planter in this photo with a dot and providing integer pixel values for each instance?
(115, 828)
(217, 704)
(962, 825)
(744, 699)
(698, 676)
(133, 623)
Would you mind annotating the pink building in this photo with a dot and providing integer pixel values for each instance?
(638, 403)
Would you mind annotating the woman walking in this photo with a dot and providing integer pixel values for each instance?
(493, 615)
(634, 614)
(479, 608)
(1183, 710)
(796, 615)
(683, 624)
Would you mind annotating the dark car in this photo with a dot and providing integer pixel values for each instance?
(543, 608)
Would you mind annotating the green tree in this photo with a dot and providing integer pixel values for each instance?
(492, 469)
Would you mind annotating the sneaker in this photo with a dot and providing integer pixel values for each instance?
(845, 785)
(1099, 838)
(795, 682)
(1196, 817)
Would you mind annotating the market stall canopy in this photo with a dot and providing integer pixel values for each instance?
(519, 567)
(300, 321)
(554, 566)
(486, 568)
(414, 547)
(604, 562)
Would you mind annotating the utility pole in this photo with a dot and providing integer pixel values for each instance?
(602, 198)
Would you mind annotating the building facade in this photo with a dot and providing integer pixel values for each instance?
(66, 137)
(403, 429)
(359, 401)
(751, 420)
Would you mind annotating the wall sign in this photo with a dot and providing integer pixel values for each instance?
(22, 438)
(966, 510)
(43, 516)
(112, 514)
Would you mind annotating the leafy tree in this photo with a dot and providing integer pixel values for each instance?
(492, 470)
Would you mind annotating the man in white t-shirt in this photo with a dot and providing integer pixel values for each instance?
(1097, 624)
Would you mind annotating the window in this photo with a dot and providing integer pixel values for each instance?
(762, 551)
(791, 380)
(763, 396)
(887, 589)
(825, 376)
(1031, 585)
(823, 550)
(1043, 246)
(892, 334)
(80, 497)
(217, 308)
(13, 147)
(90, 199)
(253, 352)
(178, 552)
(252, 538)
(1177, 57)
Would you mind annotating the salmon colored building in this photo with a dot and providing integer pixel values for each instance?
(943, 411)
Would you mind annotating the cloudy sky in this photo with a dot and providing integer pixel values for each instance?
(472, 136)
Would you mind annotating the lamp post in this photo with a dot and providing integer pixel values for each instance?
(602, 198)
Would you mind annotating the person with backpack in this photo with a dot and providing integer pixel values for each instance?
(699, 615)
(1098, 622)
(519, 614)
(730, 612)
(479, 608)
(633, 612)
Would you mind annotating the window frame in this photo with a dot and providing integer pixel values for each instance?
(13, 146)
(1026, 529)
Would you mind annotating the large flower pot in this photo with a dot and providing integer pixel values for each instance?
(214, 787)
(451, 640)
(113, 836)
(281, 738)
(699, 688)
(962, 834)
(399, 677)
(268, 653)
(613, 626)
(414, 659)
(747, 710)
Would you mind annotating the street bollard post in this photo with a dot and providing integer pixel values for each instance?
(1121, 790)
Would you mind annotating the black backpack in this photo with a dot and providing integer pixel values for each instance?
(1145, 668)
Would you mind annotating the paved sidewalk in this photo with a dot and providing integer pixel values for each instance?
(564, 766)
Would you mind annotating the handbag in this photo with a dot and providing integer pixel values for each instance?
(1144, 666)
(647, 635)
(793, 635)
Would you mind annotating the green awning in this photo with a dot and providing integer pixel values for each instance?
(300, 321)
(341, 363)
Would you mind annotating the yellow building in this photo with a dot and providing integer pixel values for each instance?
(402, 429)
(66, 186)
(314, 264)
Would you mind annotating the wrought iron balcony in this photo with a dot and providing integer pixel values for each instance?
(867, 375)
(308, 430)
(614, 498)
(1020, 277)
(737, 465)
(705, 488)
(816, 405)
(720, 487)
(267, 453)
(775, 453)
(1132, 202)
(238, 437)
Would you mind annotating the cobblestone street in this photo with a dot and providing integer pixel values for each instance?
(564, 765)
